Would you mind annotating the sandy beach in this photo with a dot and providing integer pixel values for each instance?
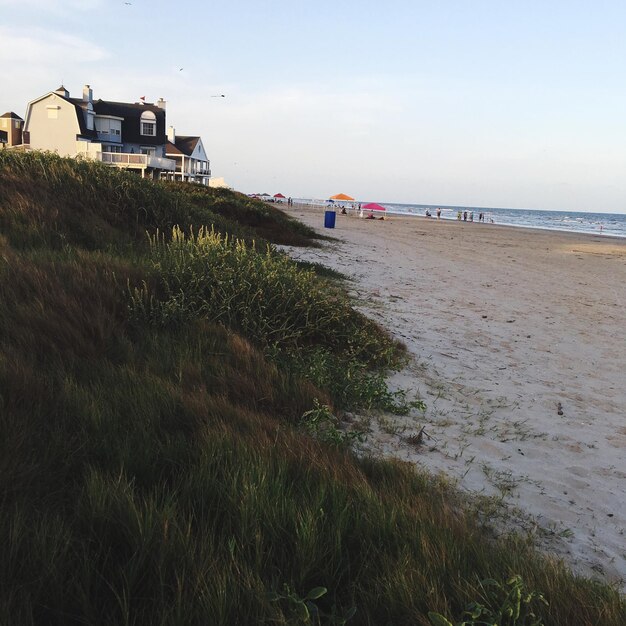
(518, 346)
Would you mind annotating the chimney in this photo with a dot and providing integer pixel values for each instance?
(161, 103)
(171, 134)
(87, 93)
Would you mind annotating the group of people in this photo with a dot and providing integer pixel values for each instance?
(466, 216)
(357, 208)
(469, 217)
(429, 214)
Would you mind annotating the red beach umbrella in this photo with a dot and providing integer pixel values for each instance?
(278, 195)
(372, 206)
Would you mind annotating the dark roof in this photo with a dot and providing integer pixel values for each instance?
(11, 115)
(186, 144)
(84, 131)
(131, 124)
(170, 148)
(4, 136)
(131, 114)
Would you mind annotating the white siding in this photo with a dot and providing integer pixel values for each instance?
(53, 125)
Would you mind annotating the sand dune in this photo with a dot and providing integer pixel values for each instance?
(519, 345)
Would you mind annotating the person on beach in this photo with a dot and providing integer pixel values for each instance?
(458, 215)
(438, 213)
(465, 216)
(471, 216)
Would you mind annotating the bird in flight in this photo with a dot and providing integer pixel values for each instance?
(181, 69)
(220, 95)
(127, 3)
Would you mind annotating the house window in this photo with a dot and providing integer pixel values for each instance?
(149, 150)
(148, 123)
(108, 148)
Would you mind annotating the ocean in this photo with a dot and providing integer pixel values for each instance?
(606, 224)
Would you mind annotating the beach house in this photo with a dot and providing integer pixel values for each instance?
(192, 164)
(121, 134)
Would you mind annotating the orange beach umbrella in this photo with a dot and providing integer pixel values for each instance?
(341, 196)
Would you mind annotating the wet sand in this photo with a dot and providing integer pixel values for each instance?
(518, 339)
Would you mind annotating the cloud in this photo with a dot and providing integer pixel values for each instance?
(44, 47)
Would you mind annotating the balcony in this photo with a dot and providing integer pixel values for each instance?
(109, 136)
(133, 161)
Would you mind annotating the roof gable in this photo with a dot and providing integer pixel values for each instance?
(11, 115)
(80, 118)
(186, 144)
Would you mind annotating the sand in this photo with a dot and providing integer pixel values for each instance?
(507, 328)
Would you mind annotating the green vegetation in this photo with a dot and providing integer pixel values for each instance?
(504, 605)
(170, 451)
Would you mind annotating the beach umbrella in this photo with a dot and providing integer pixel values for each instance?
(341, 196)
(372, 206)
(265, 195)
(278, 195)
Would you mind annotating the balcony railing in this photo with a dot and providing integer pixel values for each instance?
(126, 159)
(22, 147)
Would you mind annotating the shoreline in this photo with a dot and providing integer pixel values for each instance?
(504, 326)
(403, 215)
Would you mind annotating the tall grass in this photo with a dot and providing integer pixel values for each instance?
(304, 323)
(260, 293)
(154, 472)
(50, 201)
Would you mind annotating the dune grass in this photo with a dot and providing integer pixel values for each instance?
(154, 464)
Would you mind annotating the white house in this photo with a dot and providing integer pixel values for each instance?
(192, 164)
(126, 135)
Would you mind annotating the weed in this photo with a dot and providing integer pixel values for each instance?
(507, 604)
(322, 424)
(306, 610)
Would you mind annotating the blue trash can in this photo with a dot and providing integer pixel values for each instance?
(329, 219)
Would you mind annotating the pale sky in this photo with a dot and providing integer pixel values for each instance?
(495, 103)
